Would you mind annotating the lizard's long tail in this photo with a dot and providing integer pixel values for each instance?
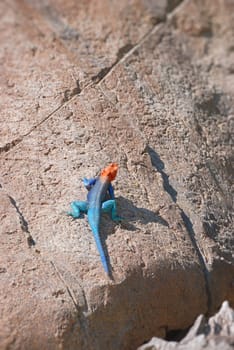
(94, 224)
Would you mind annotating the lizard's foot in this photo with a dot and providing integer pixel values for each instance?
(69, 213)
(110, 206)
(77, 208)
(117, 218)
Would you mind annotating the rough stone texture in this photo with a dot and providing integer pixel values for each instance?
(151, 87)
(217, 333)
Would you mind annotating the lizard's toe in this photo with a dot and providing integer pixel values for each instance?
(118, 218)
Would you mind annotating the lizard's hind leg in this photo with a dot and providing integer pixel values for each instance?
(110, 207)
(77, 208)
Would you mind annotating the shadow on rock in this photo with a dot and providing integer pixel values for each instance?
(132, 213)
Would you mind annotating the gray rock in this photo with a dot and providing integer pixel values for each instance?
(217, 333)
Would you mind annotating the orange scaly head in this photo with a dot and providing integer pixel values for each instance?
(110, 171)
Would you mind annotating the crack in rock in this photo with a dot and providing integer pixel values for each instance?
(69, 93)
(23, 222)
(159, 165)
(10, 145)
(129, 48)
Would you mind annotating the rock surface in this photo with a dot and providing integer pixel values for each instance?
(147, 84)
(217, 333)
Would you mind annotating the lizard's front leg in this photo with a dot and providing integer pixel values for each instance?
(110, 206)
(77, 208)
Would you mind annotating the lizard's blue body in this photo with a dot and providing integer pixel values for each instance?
(95, 204)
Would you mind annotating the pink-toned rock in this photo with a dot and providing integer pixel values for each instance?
(165, 114)
(35, 72)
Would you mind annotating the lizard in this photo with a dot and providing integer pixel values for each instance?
(96, 204)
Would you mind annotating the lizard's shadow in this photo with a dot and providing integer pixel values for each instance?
(130, 214)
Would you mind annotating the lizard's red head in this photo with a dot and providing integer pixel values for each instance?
(110, 171)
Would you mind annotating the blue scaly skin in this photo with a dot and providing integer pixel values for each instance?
(95, 204)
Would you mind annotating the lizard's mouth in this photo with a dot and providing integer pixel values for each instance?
(110, 171)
